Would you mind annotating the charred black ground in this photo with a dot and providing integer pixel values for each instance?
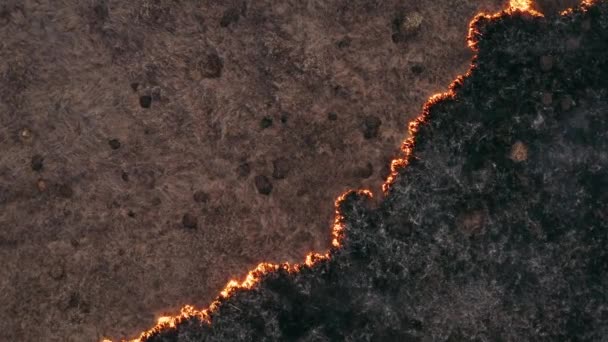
(495, 230)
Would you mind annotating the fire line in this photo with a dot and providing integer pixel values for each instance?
(255, 275)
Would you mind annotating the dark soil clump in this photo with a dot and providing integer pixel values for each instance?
(114, 144)
(37, 162)
(189, 221)
(145, 101)
(263, 184)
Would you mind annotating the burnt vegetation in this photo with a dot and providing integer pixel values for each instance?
(495, 230)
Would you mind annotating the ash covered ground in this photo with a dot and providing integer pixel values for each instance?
(495, 230)
(151, 150)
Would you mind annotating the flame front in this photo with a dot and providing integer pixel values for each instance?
(254, 276)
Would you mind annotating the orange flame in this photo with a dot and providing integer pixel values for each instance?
(252, 279)
(255, 275)
(520, 5)
(515, 6)
(584, 6)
